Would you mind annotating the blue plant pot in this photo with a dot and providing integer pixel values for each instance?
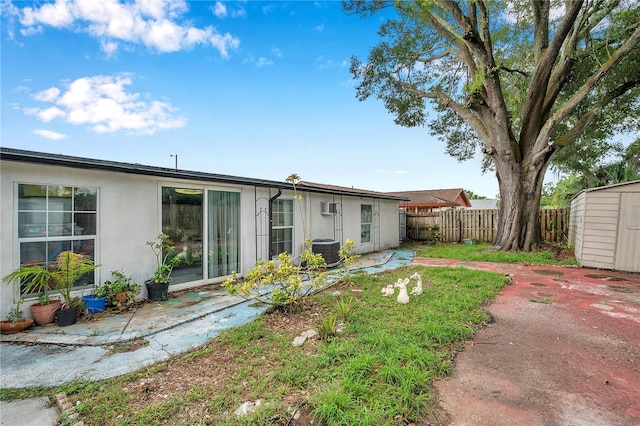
(94, 304)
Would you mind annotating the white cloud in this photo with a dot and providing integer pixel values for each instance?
(319, 28)
(220, 10)
(276, 51)
(152, 23)
(103, 103)
(109, 47)
(50, 113)
(239, 13)
(263, 62)
(326, 63)
(48, 95)
(55, 15)
(49, 134)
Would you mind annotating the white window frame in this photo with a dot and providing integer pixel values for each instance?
(46, 239)
(285, 227)
(364, 225)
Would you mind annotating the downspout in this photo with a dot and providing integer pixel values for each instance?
(279, 193)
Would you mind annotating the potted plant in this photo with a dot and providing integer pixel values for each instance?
(166, 260)
(95, 302)
(15, 321)
(32, 280)
(120, 290)
(44, 310)
(60, 276)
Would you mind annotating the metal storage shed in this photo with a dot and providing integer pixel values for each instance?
(605, 227)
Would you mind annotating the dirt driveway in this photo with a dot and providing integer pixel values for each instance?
(564, 349)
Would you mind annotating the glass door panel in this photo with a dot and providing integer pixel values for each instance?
(223, 233)
(182, 212)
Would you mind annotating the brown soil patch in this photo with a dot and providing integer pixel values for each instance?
(560, 253)
(213, 368)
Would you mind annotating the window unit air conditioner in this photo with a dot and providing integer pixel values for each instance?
(327, 207)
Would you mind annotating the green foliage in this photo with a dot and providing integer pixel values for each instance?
(166, 258)
(624, 169)
(344, 308)
(327, 327)
(119, 283)
(15, 313)
(347, 259)
(511, 82)
(60, 275)
(281, 283)
(473, 196)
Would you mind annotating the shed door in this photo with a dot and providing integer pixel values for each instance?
(628, 248)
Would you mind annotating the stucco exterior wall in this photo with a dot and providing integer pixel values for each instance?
(129, 215)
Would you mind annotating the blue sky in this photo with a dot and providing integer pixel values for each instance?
(257, 89)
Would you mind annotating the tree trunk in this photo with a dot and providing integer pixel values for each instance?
(520, 187)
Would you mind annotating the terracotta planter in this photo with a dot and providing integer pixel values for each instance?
(44, 314)
(122, 297)
(9, 327)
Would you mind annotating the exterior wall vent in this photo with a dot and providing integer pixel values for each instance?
(327, 207)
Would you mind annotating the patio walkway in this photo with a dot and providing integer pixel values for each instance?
(82, 351)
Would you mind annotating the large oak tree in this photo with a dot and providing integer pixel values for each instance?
(519, 80)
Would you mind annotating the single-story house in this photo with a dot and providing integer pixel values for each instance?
(604, 227)
(432, 200)
(219, 224)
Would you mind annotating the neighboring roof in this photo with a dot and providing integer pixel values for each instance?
(435, 197)
(484, 204)
(19, 155)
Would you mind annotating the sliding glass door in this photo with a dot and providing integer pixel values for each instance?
(182, 211)
(183, 219)
(224, 233)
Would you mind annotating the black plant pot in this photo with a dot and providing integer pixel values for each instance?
(67, 316)
(157, 291)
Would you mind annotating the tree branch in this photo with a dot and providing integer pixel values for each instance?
(447, 101)
(585, 119)
(533, 113)
(587, 88)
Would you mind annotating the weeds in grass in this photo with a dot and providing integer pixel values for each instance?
(327, 327)
(334, 407)
(344, 308)
(380, 371)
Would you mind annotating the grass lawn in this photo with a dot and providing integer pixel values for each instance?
(378, 369)
(548, 255)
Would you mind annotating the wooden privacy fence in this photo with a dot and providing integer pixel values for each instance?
(457, 225)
